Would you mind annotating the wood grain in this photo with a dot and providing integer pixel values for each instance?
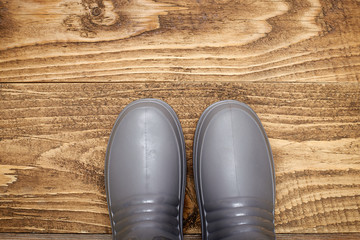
(17, 236)
(188, 40)
(68, 67)
(54, 136)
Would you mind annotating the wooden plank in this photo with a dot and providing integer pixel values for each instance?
(17, 236)
(172, 40)
(54, 136)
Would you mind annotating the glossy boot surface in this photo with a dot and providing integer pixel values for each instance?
(234, 173)
(145, 173)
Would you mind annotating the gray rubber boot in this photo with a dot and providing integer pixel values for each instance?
(234, 174)
(145, 170)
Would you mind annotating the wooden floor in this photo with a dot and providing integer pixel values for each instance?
(68, 67)
(293, 236)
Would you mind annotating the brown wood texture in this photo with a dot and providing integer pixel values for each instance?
(31, 236)
(54, 140)
(68, 67)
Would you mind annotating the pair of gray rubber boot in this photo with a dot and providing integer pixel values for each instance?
(145, 173)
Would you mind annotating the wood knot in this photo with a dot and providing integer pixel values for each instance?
(102, 18)
(96, 11)
(102, 13)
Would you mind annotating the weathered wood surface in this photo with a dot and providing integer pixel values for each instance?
(54, 140)
(68, 67)
(188, 40)
(29, 236)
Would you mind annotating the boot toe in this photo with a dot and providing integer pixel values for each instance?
(233, 163)
(145, 170)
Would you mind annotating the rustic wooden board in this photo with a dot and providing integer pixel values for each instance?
(172, 40)
(54, 136)
(17, 236)
(68, 67)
